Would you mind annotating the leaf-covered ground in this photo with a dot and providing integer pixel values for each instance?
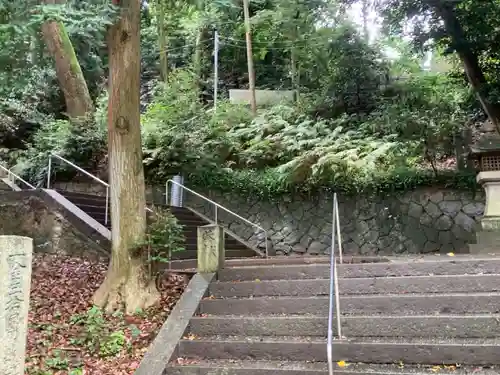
(67, 335)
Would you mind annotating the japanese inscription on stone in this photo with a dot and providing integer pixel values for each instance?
(15, 281)
(210, 248)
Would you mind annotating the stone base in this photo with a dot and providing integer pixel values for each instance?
(490, 223)
(211, 252)
(488, 242)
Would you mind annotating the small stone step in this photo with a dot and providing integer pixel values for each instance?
(252, 367)
(368, 350)
(446, 266)
(191, 253)
(426, 326)
(402, 304)
(385, 285)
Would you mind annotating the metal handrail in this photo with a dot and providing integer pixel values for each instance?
(10, 173)
(334, 285)
(218, 206)
(49, 172)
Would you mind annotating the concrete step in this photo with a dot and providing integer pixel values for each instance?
(192, 253)
(281, 260)
(431, 352)
(252, 367)
(488, 239)
(423, 326)
(385, 285)
(403, 304)
(402, 268)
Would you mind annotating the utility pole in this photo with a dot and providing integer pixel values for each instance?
(216, 68)
(251, 71)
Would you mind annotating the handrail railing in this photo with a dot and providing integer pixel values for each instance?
(334, 285)
(105, 184)
(217, 207)
(10, 173)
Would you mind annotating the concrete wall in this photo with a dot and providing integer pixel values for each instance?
(262, 97)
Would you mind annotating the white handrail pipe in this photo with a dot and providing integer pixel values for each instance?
(78, 168)
(10, 173)
(218, 206)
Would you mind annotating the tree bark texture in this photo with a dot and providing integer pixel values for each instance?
(162, 39)
(127, 282)
(69, 73)
(470, 61)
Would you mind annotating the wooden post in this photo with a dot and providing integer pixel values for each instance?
(251, 70)
(211, 251)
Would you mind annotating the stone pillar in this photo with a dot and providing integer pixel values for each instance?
(211, 252)
(491, 184)
(15, 281)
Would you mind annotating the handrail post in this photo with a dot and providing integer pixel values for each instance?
(335, 274)
(334, 290)
(49, 171)
(216, 218)
(337, 220)
(107, 204)
(166, 193)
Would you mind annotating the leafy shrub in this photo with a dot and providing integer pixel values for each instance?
(82, 143)
(164, 236)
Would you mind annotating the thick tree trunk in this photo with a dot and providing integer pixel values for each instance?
(127, 282)
(470, 61)
(162, 40)
(69, 73)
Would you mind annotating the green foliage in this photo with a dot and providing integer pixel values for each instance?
(57, 361)
(84, 145)
(164, 236)
(95, 334)
(269, 184)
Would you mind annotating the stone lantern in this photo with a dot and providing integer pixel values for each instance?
(486, 154)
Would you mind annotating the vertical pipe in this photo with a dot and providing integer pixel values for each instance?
(339, 237)
(335, 275)
(267, 245)
(216, 68)
(166, 193)
(49, 171)
(107, 204)
(329, 347)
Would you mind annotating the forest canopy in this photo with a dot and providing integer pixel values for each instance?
(390, 106)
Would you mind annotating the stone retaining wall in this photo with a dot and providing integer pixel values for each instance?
(423, 221)
(35, 215)
(427, 220)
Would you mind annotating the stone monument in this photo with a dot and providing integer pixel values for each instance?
(486, 154)
(15, 281)
(211, 252)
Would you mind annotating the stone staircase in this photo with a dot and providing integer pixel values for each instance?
(95, 207)
(399, 317)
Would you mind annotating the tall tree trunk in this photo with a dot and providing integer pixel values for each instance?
(127, 282)
(69, 73)
(365, 8)
(470, 61)
(198, 53)
(162, 39)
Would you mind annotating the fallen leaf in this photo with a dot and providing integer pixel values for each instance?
(342, 364)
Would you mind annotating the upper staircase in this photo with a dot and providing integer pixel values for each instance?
(95, 206)
(92, 210)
